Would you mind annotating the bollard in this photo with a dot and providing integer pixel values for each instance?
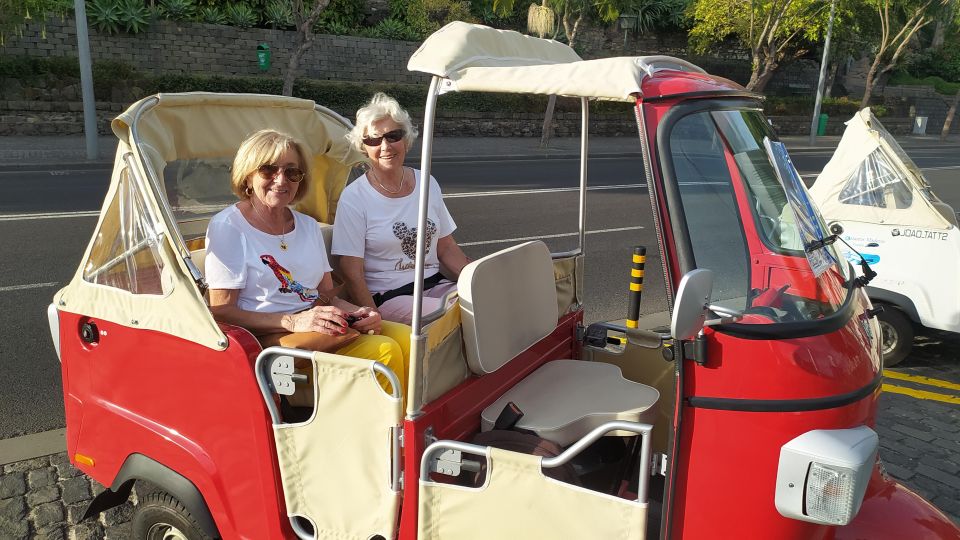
(636, 285)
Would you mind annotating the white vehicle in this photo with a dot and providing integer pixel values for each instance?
(876, 199)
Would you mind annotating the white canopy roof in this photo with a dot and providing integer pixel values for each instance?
(871, 179)
(471, 57)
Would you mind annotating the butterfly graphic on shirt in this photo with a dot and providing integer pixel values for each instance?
(287, 283)
(408, 237)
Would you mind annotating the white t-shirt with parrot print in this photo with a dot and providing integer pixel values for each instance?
(270, 279)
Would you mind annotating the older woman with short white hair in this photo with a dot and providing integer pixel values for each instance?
(376, 223)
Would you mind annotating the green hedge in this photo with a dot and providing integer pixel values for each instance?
(940, 85)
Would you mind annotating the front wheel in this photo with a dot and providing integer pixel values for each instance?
(162, 517)
(896, 331)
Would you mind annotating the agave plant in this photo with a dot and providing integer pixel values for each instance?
(240, 15)
(104, 15)
(178, 10)
(211, 15)
(134, 16)
(278, 14)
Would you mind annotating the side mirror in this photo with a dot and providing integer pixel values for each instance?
(691, 304)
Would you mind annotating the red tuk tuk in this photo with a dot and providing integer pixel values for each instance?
(750, 416)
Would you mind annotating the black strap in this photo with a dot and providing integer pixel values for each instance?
(406, 290)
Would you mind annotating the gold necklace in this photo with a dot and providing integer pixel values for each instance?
(283, 243)
(403, 175)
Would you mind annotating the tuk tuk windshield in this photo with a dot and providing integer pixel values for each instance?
(750, 220)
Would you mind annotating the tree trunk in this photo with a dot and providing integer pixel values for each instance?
(548, 122)
(300, 47)
(831, 77)
(761, 75)
(946, 123)
(938, 34)
(871, 80)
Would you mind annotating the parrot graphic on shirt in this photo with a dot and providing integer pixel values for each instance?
(287, 283)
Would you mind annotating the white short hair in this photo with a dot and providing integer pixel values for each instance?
(381, 106)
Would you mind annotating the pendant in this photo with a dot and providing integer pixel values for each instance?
(283, 245)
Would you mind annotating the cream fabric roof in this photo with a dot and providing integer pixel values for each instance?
(207, 125)
(472, 57)
(863, 135)
(204, 125)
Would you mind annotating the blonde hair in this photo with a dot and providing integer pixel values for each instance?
(266, 146)
(379, 107)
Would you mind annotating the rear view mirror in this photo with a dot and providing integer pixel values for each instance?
(691, 304)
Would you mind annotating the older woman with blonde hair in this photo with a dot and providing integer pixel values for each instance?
(375, 228)
(267, 267)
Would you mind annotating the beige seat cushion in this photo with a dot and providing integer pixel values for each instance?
(509, 302)
(565, 399)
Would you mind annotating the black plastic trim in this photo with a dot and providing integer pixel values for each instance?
(140, 467)
(786, 405)
(706, 94)
(889, 297)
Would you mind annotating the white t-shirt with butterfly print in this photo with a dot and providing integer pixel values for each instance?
(383, 231)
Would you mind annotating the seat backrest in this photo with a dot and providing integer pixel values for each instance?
(508, 302)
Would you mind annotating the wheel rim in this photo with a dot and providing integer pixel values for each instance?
(890, 338)
(165, 531)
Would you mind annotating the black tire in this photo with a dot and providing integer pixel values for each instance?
(896, 334)
(160, 516)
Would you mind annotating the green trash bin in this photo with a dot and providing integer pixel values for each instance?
(822, 124)
(263, 56)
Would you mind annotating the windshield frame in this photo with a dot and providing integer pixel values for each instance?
(684, 247)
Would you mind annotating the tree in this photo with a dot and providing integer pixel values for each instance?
(15, 14)
(774, 31)
(305, 15)
(906, 18)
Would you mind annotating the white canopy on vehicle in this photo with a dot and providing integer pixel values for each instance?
(870, 179)
(471, 57)
(137, 269)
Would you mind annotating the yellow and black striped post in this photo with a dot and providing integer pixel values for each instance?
(636, 285)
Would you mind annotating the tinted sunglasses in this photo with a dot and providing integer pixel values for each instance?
(292, 174)
(390, 136)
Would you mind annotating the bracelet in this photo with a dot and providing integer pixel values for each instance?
(323, 299)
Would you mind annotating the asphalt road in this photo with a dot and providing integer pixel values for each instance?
(42, 253)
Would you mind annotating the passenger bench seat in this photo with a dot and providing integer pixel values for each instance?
(509, 302)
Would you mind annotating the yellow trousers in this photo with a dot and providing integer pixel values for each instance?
(391, 348)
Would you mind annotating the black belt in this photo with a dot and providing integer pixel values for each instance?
(406, 290)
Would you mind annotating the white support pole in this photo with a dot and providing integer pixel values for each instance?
(823, 76)
(86, 81)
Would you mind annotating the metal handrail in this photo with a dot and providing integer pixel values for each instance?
(572, 451)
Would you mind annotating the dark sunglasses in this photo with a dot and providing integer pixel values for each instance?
(390, 136)
(292, 174)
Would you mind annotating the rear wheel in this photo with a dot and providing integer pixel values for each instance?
(896, 331)
(161, 517)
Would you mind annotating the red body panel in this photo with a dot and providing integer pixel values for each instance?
(194, 410)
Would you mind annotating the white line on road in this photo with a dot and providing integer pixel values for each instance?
(533, 191)
(52, 215)
(541, 237)
(28, 286)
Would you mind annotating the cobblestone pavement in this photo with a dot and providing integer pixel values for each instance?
(45, 497)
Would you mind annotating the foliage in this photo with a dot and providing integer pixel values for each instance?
(211, 15)
(104, 16)
(178, 10)
(14, 14)
(803, 106)
(427, 16)
(941, 86)
(134, 16)
(394, 29)
(944, 62)
(341, 14)
(278, 14)
(240, 15)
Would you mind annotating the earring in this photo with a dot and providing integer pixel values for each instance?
(248, 191)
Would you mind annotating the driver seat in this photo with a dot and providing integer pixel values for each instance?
(508, 304)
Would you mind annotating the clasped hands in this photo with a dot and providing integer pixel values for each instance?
(334, 321)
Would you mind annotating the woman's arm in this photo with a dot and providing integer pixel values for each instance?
(352, 270)
(324, 319)
(452, 258)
